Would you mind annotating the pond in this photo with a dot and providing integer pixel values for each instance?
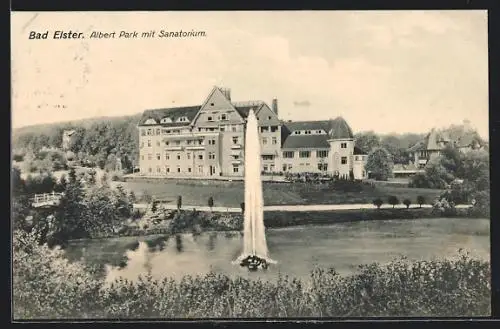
(298, 250)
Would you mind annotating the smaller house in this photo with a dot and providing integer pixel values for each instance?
(434, 143)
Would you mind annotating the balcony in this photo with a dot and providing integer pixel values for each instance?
(236, 146)
(237, 161)
(174, 148)
(195, 147)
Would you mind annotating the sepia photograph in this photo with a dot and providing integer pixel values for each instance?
(258, 164)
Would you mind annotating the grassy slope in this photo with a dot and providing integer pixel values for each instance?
(231, 194)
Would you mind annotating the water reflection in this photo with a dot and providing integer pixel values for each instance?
(178, 243)
(212, 238)
(300, 249)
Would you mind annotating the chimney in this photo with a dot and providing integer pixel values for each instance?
(275, 105)
(226, 92)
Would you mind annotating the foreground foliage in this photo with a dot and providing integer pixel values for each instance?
(48, 286)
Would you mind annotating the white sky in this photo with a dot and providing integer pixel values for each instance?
(399, 71)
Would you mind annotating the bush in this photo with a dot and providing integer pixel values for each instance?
(393, 200)
(47, 286)
(420, 200)
(407, 203)
(378, 202)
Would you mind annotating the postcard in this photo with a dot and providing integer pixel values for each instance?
(264, 164)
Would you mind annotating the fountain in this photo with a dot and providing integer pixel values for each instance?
(255, 252)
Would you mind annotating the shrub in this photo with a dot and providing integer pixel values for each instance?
(420, 200)
(407, 203)
(393, 200)
(47, 286)
(378, 203)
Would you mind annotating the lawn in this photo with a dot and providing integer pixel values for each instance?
(231, 194)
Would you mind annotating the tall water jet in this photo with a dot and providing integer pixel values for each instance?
(255, 252)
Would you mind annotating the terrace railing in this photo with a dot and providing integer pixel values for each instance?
(46, 199)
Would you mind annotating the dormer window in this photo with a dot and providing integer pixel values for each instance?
(150, 122)
(210, 118)
(182, 119)
(297, 132)
(223, 117)
(211, 104)
(166, 120)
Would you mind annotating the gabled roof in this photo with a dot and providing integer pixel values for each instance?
(306, 141)
(174, 113)
(243, 110)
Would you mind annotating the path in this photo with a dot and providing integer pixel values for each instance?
(322, 207)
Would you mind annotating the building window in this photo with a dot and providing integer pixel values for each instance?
(149, 143)
(188, 156)
(297, 132)
(178, 156)
(288, 154)
(264, 129)
(211, 156)
(222, 128)
(343, 160)
(167, 143)
(167, 156)
(322, 166)
(150, 132)
(343, 145)
(274, 129)
(150, 170)
(236, 169)
(265, 167)
(304, 154)
(284, 167)
(158, 156)
(189, 169)
(290, 166)
(268, 118)
(267, 157)
(233, 129)
(223, 117)
(158, 169)
(321, 154)
(167, 169)
(200, 169)
(307, 132)
(200, 142)
(143, 132)
(150, 156)
(235, 140)
(158, 131)
(211, 142)
(264, 140)
(275, 140)
(178, 169)
(177, 142)
(200, 156)
(210, 118)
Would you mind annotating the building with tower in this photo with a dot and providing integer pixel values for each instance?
(207, 140)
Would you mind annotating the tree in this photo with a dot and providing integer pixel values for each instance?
(393, 200)
(378, 203)
(420, 200)
(179, 202)
(380, 164)
(407, 203)
(367, 141)
(132, 198)
(210, 202)
(72, 175)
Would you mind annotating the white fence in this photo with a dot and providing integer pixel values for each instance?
(46, 199)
